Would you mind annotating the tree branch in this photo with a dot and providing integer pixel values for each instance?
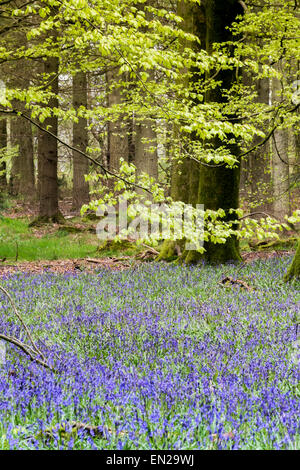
(256, 213)
(33, 351)
(35, 348)
(25, 349)
(108, 172)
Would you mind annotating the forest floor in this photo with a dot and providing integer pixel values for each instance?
(161, 357)
(74, 247)
(140, 355)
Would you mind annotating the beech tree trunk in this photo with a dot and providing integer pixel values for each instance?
(293, 271)
(48, 154)
(185, 174)
(80, 141)
(294, 165)
(256, 184)
(146, 158)
(3, 145)
(22, 179)
(14, 180)
(25, 158)
(280, 165)
(39, 163)
(146, 148)
(280, 173)
(118, 143)
(22, 173)
(219, 186)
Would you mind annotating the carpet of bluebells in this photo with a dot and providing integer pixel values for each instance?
(157, 357)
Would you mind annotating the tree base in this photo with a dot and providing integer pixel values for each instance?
(215, 253)
(191, 257)
(112, 245)
(44, 219)
(222, 253)
(293, 271)
(170, 250)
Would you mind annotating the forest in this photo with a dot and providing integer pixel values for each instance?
(149, 225)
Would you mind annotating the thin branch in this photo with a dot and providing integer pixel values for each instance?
(150, 248)
(26, 349)
(256, 213)
(262, 142)
(22, 322)
(243, 5)
(277, 151)
(108, 172)
(203, 163)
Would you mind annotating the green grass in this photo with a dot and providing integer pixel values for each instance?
(18, 241)
(5, 201)
(17, 237)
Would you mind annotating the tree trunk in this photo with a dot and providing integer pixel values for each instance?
(180, 191)
(80, 141)
(22, 179)
(146, 148)
(280, 173)
(118, 145)
(146, 158)
(219, 186)
(280, 164)
(48, 153)
(294, 164)
(14, 180)
(185, 174)
(293, 271)
(39, 162)
(3, 145)
(256, 185)
(22, 173)
(27, 182)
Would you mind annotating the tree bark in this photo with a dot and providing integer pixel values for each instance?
(118, 144)
(3, 145)
(219, 189)
(22, 173)
(14, 180)
(280, 162)
(80, 141)
(146, 148)
(48, 154)
(185, 173)
(280, 174)
(293, 271)
(146, 158)
(256, 184)
(219, 186)
(26, 165)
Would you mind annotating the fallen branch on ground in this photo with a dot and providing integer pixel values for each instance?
(229, 281)
(32, 351)
(75, 426)
(26, 349)
(152, 250)
(22, 322)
